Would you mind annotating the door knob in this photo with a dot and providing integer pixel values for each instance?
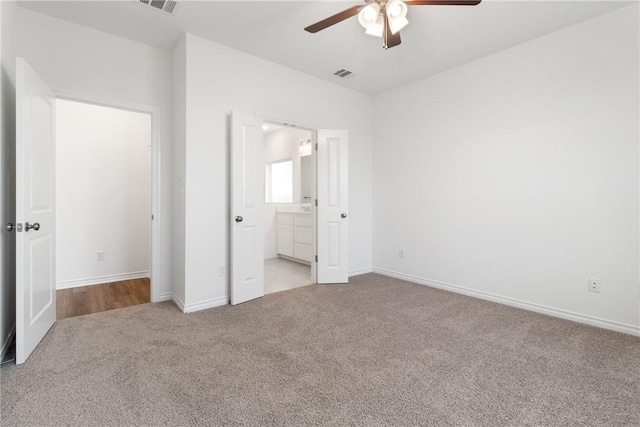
(10, 227)
(28, 226)
(344, 215)
(239, 218)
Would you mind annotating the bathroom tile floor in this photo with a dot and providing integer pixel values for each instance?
(281, 274)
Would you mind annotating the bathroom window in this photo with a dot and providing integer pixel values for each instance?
(279, 181)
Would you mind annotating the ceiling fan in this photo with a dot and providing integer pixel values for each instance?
(384, 18)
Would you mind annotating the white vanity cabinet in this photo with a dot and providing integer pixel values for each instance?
(285, 234)
(294, 235)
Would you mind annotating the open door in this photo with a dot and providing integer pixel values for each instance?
(247, 208)
(333, 231)
(35, 198)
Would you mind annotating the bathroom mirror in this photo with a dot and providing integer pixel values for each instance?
(305, 179)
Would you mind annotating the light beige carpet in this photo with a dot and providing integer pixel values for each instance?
(376, 352)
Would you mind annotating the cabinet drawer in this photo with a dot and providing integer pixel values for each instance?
(302, 221)
(302, 251)
(285, 218)
(285, 239)
(302, 235)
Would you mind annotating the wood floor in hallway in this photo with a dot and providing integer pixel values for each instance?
(96, 298)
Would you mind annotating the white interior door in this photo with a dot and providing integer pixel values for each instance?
(247, 208)
(35, 214)
(333, 230)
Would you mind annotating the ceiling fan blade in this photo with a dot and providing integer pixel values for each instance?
(442, 2)
(332, 20)
(389, 40)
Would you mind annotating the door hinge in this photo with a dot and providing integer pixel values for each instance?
(316, 202)
(151, 217)
(316, 258)
(316, 146)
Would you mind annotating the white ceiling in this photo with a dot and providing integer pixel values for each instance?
(437, 37)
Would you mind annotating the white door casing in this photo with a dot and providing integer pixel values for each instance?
(332, 210)
(247, 208)
(35, 204)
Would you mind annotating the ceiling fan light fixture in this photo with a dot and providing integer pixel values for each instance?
(397, 24)
(396, 8)
(369, 15)
(377, 28)
(382, 18)
(396, 11)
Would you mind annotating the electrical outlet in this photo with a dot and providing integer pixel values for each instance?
(221, 271)
(100, 255)
(401, 253)
(595, 284)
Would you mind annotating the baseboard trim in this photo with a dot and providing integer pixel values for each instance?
(177, 302)
(7, 342)
(216, 302)
(102, 279)
(550, 311)
(271, 256)
(360, 271)
(168, 296)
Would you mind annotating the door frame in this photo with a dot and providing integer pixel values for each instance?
(157, 281)
(314, 183)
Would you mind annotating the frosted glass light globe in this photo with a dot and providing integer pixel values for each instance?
(370, 14)
(395, 9)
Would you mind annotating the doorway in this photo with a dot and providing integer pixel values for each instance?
(328, 219)
(288, 223)
(103, 207)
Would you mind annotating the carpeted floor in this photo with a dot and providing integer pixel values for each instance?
(379, 351)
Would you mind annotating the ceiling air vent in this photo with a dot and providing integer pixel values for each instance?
(343, 73)
(164, 5)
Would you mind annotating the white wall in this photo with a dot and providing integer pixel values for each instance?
(270, 231)
(82, 61)
(279, 145)
(179, 152)
(8, 13)
(219, 80)
(516, 176)
(103, 194)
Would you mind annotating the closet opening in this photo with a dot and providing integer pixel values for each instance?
(103, 207)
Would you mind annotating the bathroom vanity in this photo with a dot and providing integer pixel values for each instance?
(294, 236)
